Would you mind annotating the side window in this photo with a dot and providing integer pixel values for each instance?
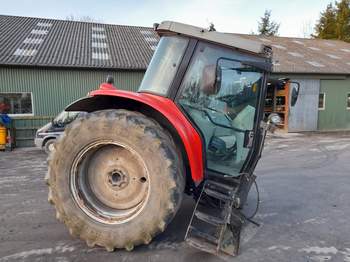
(321, 101)
(16, 103)
(348, 101)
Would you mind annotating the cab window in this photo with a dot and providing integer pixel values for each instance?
(164, 65)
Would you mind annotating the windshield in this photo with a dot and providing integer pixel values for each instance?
(65, 117)
(164, 64)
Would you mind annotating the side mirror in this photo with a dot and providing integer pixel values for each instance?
(295, 87)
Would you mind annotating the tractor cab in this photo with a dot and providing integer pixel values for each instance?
(218, 81)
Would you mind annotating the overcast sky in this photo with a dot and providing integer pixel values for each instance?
(239, 16)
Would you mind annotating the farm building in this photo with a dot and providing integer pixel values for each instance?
(46, 64)
(322, 67)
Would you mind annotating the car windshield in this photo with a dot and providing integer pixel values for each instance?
(65, 117)
(164, 65)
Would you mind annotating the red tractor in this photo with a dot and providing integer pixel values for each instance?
(118, 174)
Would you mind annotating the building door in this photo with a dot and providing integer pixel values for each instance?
(303, 116)
(334, 105)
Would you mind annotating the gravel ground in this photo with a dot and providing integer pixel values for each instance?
(304, 183)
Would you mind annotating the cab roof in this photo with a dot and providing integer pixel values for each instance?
(228, 40)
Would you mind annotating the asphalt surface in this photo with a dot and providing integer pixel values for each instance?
(304, 183)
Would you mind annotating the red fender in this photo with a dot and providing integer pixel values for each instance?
(189, 135)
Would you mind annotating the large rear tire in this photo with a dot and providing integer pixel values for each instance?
(115, 178)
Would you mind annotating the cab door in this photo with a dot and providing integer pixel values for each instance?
(220, 96)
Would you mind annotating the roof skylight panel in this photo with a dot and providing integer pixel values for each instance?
(279, 47)
(39, 32)
(314, 63)
(25, 52)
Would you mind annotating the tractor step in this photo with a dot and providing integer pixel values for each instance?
(217, 195)
(206, 236)
(217, 185)
(197, 242)
(211, 228)
(228, 248)
(215, 221)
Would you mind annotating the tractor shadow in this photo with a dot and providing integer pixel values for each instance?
(172, 239)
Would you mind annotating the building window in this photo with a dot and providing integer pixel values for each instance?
(16, 103)
(321, 101)
(348, 101)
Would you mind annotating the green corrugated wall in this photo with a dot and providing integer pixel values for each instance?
(335, 116)
(53, 89)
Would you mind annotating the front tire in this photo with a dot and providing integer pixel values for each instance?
(49, 146)
(115, 179)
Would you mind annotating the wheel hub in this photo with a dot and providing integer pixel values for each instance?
(118, 180)
(110, 182)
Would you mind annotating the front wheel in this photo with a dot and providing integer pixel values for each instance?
(49, 146)
(115, 179)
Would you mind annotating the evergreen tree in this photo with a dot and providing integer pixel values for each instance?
(326, 26)
(334, 22)
(343, 20)
(266, 26)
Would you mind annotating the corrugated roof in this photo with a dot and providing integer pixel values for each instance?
(302, 55)
(48, 42)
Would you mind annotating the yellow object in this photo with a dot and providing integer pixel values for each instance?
(254, 87)
(3, 136)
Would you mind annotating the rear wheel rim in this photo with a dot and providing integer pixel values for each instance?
(109, 182)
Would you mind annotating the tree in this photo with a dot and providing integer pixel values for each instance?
(334, 22)
(326, 25)
(266, 26)
(343, 20)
